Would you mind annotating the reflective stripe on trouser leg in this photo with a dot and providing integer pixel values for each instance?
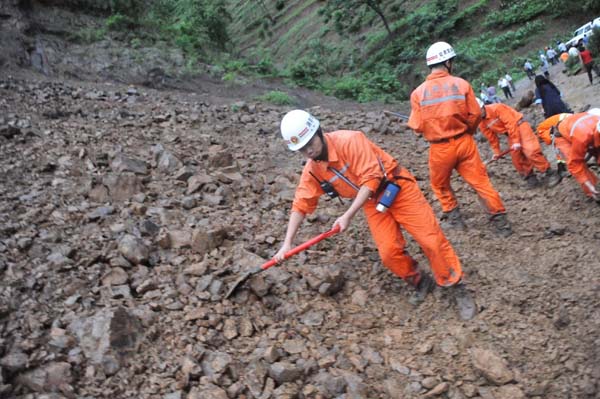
(532, 149)
(412, 211)
(471, 168)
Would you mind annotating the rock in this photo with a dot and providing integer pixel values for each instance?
(196, 182)
(359, 297)
(115, 276)
(204, 241)
(393, 388)
(491, 366)
(272, 354)
(508, 392)
(372, 356)
(207, 391)
(437, 390)
(221, 159)
(14, 361)
(259, 285)
(123, 186)
(313, 318)
(283, 372)
(134, 250)
(121, 163)
(106, 331)
(294, 346)
(180, 238)
(168, 163)
(330, 385)
(215, 363)
(50, 377)
(100, 213)
(196, 269)
(255, 376)
(230, 329)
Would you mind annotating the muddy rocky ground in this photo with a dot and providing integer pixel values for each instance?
(126, 212)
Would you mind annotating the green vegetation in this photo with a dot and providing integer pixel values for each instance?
(362, 50)
(277, 97)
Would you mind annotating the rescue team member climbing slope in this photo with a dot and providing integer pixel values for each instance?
(445, 111)
(574, 136)
(347, 164)
(526, 152)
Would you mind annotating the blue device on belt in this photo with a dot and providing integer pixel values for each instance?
(388, 196)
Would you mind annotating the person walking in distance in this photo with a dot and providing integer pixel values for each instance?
(445, 111)
(505, 86)
(346, 164)
(510, 81)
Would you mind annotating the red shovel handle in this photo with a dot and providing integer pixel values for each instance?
(501, 155)
(303, 247)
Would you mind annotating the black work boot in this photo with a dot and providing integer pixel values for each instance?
(423, 288)
(561, 167)
(501, 224)
(453, 219)
(532, 181)
(465, 304)
(552, 177)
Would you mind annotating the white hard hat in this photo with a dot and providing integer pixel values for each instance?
(439, 52)
(594, 111)
(297, 128)
(480, 102)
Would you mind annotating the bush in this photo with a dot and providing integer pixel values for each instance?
(118, 22)
(277, 97)
(594, 44)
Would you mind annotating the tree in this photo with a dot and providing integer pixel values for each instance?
(345, 12)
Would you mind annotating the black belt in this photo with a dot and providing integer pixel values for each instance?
(447, 140)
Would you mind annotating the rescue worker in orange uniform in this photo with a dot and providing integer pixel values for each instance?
(346, 164)
(560, 145)
(445, 111)
(526, 153)
(575, 136)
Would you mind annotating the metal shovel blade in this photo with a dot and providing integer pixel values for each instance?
(240, 281)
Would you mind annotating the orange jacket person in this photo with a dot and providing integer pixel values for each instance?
(526, 152)
(575, 136)
(346, 164)
(561, 146)
(445, 111)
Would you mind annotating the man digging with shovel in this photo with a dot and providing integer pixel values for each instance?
(346, 164)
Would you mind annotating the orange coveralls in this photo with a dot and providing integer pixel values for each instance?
(562, 147)
(502, 119)
(578, 136)
(445, 111)
(356, 157)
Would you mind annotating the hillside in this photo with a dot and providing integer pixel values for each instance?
(356, 58)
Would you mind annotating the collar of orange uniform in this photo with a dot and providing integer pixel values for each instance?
(439, 73)
(332, 155)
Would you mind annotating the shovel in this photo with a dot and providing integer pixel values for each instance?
(502, 154)
(396, 114)
(240, 281)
